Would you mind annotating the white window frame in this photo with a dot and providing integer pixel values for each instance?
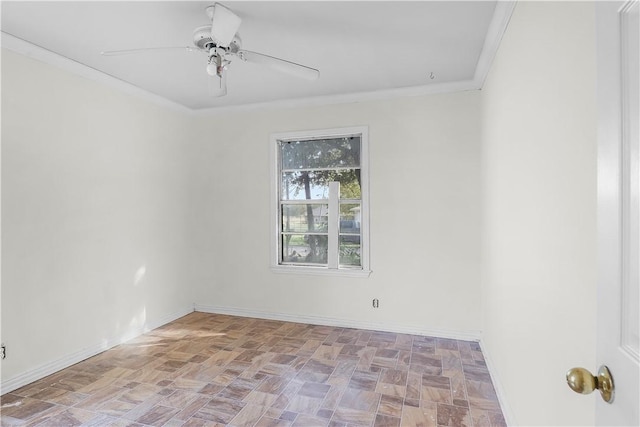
(363, 133)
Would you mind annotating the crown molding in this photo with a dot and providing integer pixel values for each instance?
(38, 53)
(497, 27)
(317, 101)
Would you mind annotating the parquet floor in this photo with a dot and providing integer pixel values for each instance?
(212, 370)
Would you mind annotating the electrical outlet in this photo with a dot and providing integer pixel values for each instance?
(376, 303)
(3, 351)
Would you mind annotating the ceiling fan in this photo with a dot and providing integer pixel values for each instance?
(221, 43)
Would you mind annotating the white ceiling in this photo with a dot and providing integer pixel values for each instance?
(358, 46)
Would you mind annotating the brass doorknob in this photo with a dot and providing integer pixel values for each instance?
(584, 382)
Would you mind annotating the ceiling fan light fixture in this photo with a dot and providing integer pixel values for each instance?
(212, 69)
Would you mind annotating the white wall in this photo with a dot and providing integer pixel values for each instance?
(93, 215)
(539, 198)
(97, 185)
(118, 215)
(425, 216)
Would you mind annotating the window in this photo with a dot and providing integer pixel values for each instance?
(320, 191)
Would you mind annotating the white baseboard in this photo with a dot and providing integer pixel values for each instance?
(56, 365)
(507, 412)
(344, 323)
(73, 358)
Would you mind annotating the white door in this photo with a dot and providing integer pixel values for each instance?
(618, 208)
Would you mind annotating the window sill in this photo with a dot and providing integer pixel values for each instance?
(319, 271)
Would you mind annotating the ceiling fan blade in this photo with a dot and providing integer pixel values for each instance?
(224, 25)
(288, 67)
(147, 50)
(218, 85)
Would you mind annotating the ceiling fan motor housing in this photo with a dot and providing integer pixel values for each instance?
(202, 39)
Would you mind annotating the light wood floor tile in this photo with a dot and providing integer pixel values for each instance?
(209, 370)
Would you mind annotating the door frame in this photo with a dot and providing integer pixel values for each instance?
(613, 221)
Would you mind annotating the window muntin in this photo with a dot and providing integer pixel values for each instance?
(321, 194)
